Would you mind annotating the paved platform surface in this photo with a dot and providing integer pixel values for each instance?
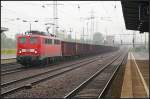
(127, 82)
(136, 77)
(7, 56)
(142, 60)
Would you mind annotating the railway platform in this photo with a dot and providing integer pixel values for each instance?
(8, 56)
(136, 77)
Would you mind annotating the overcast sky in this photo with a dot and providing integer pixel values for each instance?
(69, 14)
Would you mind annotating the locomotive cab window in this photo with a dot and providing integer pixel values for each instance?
(22, 40)
(33, 40)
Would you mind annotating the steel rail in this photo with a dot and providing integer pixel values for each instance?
(9, 68)
(11, 71)
(14, 81)
(78, 88)
(50, 76)
(7, 64)
(7, 83)
(101, 95)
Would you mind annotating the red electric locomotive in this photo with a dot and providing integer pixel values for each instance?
(36, 46)
(39, 47)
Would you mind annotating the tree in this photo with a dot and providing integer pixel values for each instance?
(7, 42)
(3, 40)
(98, 38)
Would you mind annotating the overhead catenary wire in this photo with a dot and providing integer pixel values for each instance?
(73, 17)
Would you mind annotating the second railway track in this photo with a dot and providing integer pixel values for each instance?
(11, 86)
(5, 72)
(96, 85)
(9, 68)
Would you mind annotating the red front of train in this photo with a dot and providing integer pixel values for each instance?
(33, 48)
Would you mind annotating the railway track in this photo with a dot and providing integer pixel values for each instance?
(7, 64)
(11, 71)
(14, 85)
(14, 67)
(23, 69)
(96, 85)
(10, 68)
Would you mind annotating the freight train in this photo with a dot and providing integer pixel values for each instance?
(39, 47)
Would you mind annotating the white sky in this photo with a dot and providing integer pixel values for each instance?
(68, 14)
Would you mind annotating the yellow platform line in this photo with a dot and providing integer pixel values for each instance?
(143, 81)
(127, 81)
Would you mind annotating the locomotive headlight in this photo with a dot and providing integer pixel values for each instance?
(19, 51)
(35, 52)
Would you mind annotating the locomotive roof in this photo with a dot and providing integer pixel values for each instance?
(38, 34)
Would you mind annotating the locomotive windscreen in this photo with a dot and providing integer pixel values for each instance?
(33, 40)
(22, 40)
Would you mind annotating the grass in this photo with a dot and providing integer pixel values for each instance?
(8, 51)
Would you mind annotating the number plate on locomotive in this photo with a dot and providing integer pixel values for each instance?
(27, 50)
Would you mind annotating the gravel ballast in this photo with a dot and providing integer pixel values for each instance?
(61, 85)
